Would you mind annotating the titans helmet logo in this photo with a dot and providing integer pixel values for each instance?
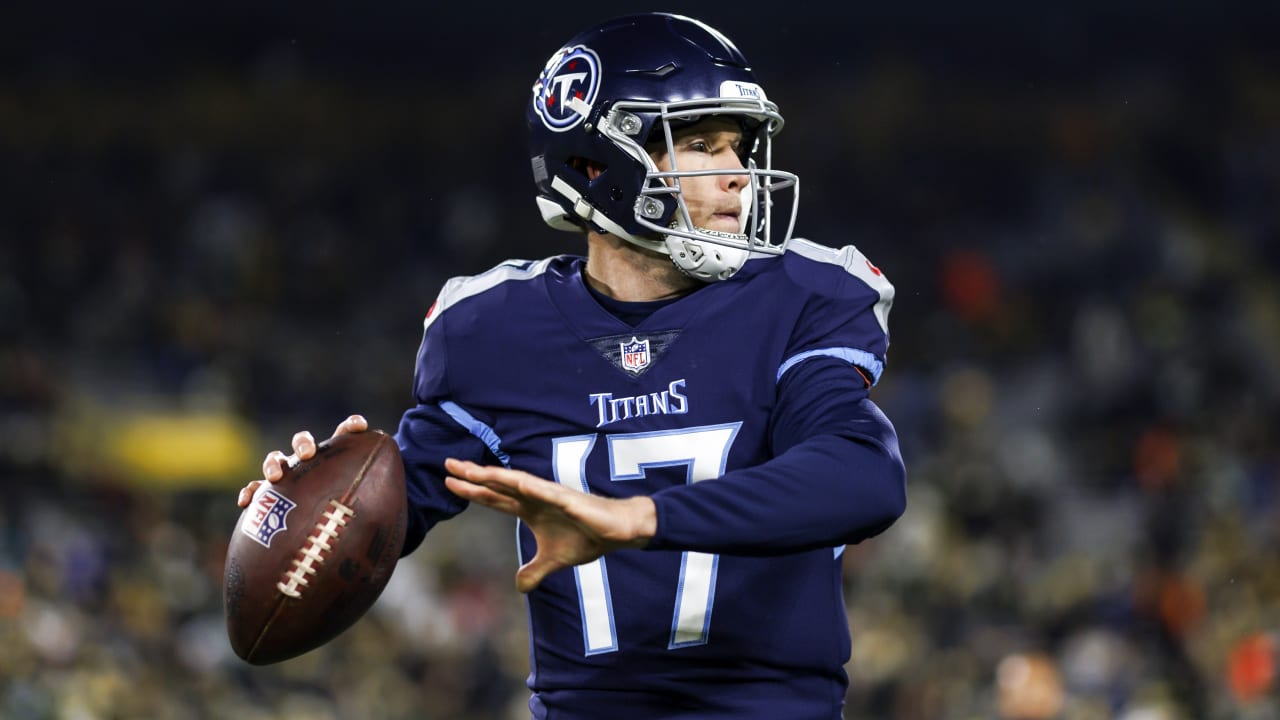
(567, 88)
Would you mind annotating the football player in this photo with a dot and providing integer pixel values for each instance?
(679, 420)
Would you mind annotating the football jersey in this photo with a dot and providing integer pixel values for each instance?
(708, 405)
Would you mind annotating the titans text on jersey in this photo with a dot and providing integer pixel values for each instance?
(667, 402)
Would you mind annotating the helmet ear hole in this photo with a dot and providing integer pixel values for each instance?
(615, 194)
(590, 169)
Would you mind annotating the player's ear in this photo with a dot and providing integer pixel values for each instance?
(590, 168)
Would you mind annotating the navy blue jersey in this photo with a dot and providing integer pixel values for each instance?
(741, 408)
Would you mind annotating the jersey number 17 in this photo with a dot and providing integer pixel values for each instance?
(704, 451)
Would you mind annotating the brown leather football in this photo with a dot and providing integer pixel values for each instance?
(312, 552)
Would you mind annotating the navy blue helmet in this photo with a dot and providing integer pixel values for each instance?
(625, 83)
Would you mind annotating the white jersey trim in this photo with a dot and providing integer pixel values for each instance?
(856, 264)
(460, 288)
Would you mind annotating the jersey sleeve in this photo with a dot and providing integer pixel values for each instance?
(836, 475)
(847, 312)
(435, 428)
(836, 478)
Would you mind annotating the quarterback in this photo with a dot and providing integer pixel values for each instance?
(679, 420)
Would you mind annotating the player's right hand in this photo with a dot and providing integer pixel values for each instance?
(304, 448)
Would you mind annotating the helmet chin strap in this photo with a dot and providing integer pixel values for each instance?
(707, 260)
(556, 217)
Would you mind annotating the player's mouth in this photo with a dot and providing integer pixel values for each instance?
(727, 216)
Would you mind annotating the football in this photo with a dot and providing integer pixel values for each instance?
(311, 553)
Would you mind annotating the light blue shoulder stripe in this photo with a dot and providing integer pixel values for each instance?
(853, 356)
(477, 428)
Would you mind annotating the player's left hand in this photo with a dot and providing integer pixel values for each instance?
(571, 527)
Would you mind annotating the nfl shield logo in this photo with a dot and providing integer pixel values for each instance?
(265, 516)
(635, 354)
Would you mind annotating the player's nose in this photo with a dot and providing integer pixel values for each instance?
(734, 180)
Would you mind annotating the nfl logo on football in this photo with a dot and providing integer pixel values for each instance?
(635, 354)
(266, 516)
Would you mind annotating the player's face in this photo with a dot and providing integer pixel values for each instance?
(714, 201)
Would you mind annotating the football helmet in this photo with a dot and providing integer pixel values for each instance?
(626, 83)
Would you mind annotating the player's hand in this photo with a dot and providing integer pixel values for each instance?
(571, 527)
(304, 448)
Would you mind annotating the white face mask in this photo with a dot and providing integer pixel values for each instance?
(702, 253)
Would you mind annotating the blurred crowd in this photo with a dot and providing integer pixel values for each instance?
(1084, 370)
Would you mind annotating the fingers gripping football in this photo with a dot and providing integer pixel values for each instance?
(304, 448)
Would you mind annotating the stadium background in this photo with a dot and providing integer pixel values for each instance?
(224, 223)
